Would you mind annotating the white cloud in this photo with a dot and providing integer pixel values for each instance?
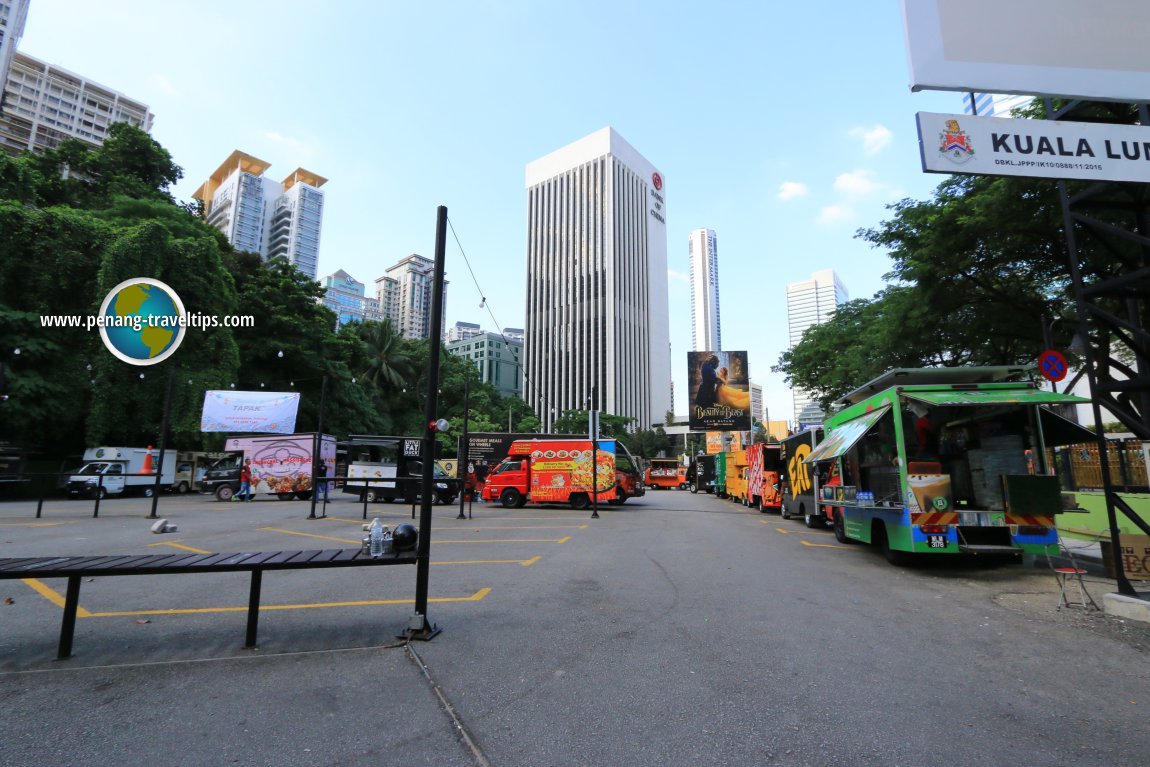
(834, 214)
(674, 276)
(789, 190)
(874, 139)
(163, 84)
(857, 183)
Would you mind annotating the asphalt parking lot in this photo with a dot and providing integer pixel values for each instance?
(676, 629)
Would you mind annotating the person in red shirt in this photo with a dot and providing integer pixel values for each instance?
(245, 493)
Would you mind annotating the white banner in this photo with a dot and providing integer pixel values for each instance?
(255, 411)
(997, 146)
(1090, 49)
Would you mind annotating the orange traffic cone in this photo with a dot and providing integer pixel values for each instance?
(147, 462)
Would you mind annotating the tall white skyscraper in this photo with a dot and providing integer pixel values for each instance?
(706, 332)
(597, 309)
(811, 302)
(259, 215)
(13, 14)
(404, 295)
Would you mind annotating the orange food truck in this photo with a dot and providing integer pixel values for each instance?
(554, 471)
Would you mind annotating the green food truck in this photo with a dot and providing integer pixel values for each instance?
(946, 461)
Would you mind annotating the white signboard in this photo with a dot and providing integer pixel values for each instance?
(996, 146)
(272, 412)
(1090, 49)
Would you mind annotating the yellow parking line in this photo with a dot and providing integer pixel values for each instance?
(31, 524)
(782, 530)
(53, 596)
(309, 535)
(175, 545)
(538, 527)
(824, 545)
(513, 540)
(476, 597)
(524, 562)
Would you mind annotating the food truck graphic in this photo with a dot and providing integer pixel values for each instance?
(554, 471)
(946, 461)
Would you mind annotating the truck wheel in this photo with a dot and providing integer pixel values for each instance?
(840, 526)
(783, 511)
(182, 488)
(101, 493)
(895, 557)
(225, 492)
(580, 501)
(510, 498)
(285, 496)
(620, 496)
(813, 520)
(695, 488)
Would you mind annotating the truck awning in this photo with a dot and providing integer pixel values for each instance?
(842, 438)
(994, 397)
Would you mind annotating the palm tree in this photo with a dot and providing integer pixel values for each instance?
(387, 361)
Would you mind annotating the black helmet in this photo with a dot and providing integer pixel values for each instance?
(404, 537)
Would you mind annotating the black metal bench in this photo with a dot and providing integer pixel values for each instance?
(76, 568)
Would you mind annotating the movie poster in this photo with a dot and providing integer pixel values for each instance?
(719, 387)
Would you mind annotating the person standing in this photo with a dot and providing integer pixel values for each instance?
(245, 493)
(708, 392)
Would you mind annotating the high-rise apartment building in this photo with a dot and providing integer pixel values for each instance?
(260, 215)
(706, 332)
(404, 294)
(347, 297)
(811, 302)
(597, 326)
(45, 104)
(497, 358)
(13, 15)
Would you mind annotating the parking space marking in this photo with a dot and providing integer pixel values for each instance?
(53, 596)
(57, 599)
(524, 562)
(782, 530)
(539, 527)
(31, 524)
(824, 545)
(514, 540)
(176, 545)
(309, 535)
(478, 596)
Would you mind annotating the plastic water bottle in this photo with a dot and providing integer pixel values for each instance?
(375, 535)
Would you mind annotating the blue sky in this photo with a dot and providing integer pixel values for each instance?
(785, 127)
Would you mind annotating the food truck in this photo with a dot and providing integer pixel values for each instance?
(945, 461)
(800, 483)
(554, 471)
(281, 465)
(764, 469)
(665, 474)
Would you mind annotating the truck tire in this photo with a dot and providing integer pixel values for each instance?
(182, 487)
(695, 487)
(511, 498)
(225, 493)
(812, 520)
(840, 526)
(285, 496)
(101, 493)
(783, 511)
(620, 496)
(882, 540)
(580, 501)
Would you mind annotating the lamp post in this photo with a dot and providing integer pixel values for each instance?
(163, 441)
